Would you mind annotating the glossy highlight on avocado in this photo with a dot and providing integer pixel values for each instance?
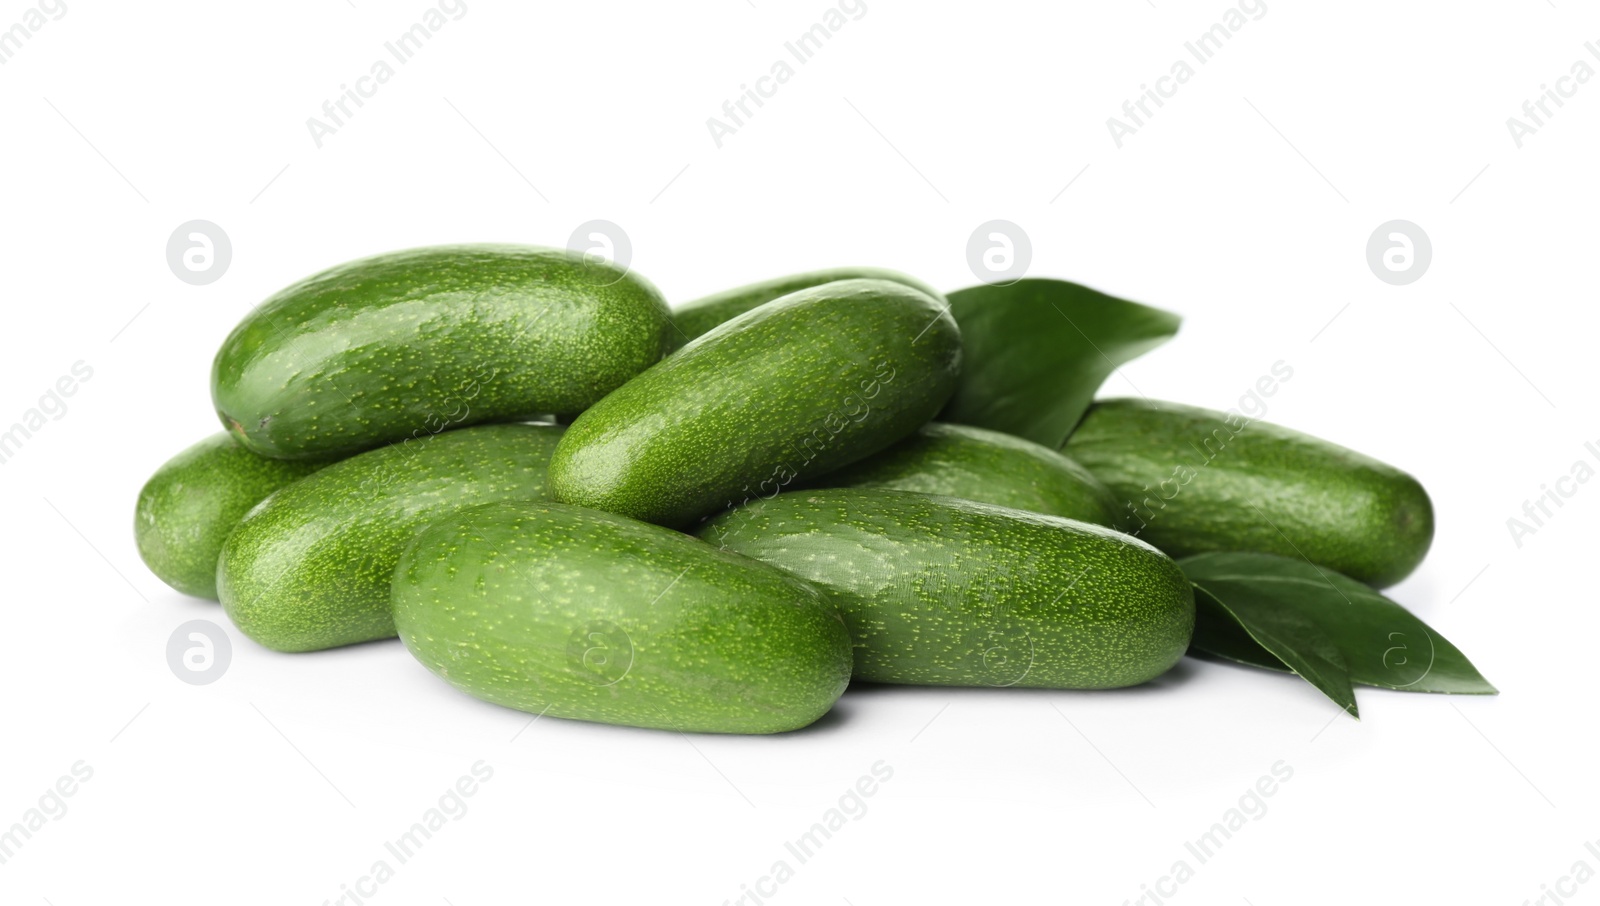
(947, 592)
(194, 500)
(411, 343)
(581, 614)
(1194, 480)
(986, 466)
(309, 568)
(693, 319)
(791, 390)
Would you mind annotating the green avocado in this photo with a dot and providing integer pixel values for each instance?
(581, 614)
(791, 390)
(947, 592)
(412, 343)
(309, 568)
(986, 466)
(195, 499)
(1194, 480)
(692, 319)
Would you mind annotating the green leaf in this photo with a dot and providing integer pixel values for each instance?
(1218, 634)
(1314, 620)
(1035, 351)
(1278, 639)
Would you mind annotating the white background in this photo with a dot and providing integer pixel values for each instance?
(1245, 204)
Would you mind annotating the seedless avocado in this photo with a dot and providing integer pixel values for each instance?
(1195, 480)
(698, 317)
(577, 613)
(793, 389)
(986, 466)
(411, 343)
(194, 500)
(947, 592)
(309, 568)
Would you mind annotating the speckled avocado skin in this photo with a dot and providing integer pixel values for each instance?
(947, 592)
(309, 568)
(791, 390)
(1193, 480)
(194, 500)
(581, 614)
(693, 319)
(986, 466)
(415, 342)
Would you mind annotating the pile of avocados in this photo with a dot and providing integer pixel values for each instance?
(566, 498)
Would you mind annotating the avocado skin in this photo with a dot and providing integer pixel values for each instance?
(791, 390)
(309, 567)
(194, 500)
(947, 592)
(410, 343)
(1253, 486)
(986, 466)
(581, 614)
(693, 319)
